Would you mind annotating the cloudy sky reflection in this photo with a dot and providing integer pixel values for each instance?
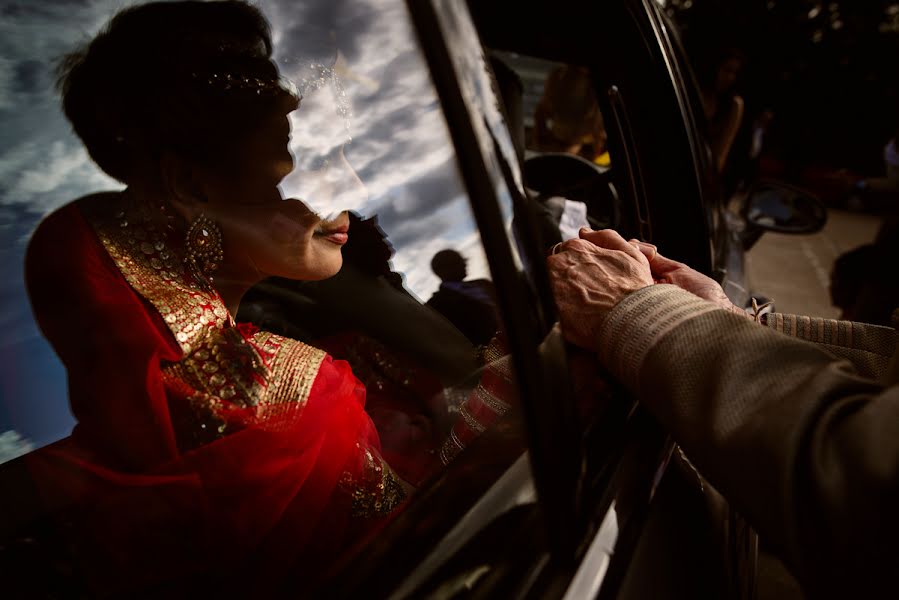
(382, 150)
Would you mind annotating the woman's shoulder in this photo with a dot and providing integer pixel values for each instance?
(64, 244)
(69, 218)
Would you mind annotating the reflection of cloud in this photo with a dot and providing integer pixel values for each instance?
(42, 165)
(7, 101)
(400, 148)
(13, 445)
(16, 319)
(398, 131)
(312, 31)
(400, 145)
(16, 224)
(421, 242)
(426, 201)
(45, 177)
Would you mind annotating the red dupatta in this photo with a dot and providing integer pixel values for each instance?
(201, 447)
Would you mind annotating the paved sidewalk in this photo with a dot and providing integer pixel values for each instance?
(794, 270)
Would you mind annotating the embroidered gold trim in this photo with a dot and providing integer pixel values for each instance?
(153, 269)
(220, 370)
(377, 491)
(273, 376)
(294, 366)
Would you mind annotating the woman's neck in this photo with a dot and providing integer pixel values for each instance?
(229, 280)
(231, 290)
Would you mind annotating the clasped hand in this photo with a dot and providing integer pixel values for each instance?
(591, 275)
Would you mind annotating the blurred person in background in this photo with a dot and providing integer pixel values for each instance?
(723, 107)
(558, 218)
(567, 118)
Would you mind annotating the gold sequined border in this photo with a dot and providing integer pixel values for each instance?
(273, 376)
(377, 490)
(154, 271)
(219, 369)
(293, 364)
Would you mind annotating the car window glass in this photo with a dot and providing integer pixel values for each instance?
(567, 163)
(480, 94)
(334, 151)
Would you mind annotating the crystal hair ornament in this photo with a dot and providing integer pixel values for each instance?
(261, 86)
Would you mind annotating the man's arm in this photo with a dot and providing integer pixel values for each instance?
(802, 445)
(869, 348)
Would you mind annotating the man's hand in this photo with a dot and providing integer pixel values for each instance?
(590, 276)
(665, 270)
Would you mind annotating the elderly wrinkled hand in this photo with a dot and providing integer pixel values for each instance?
(590, 276)
(665, 270)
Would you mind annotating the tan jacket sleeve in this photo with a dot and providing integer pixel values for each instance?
(804, 446)
(869, 348)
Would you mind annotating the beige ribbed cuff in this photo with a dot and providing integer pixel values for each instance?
(639, 322)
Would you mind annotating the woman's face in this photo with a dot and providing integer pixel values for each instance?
(263, 233)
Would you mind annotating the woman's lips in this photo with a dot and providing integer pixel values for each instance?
(335, 233)
(337, 238)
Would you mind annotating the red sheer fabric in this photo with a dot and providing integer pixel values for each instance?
(280, 493)
(405, 401)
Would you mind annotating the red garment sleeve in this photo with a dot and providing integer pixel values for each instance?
(109, 342)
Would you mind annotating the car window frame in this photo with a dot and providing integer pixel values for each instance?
(543, 382)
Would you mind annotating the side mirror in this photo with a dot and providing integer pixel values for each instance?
(773, 206)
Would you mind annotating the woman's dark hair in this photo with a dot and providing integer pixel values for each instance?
(154, 80)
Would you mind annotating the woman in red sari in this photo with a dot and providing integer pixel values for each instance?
(203, 446)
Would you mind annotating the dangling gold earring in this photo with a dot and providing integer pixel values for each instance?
(203, 250)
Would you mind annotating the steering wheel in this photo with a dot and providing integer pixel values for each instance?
(569, 176)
